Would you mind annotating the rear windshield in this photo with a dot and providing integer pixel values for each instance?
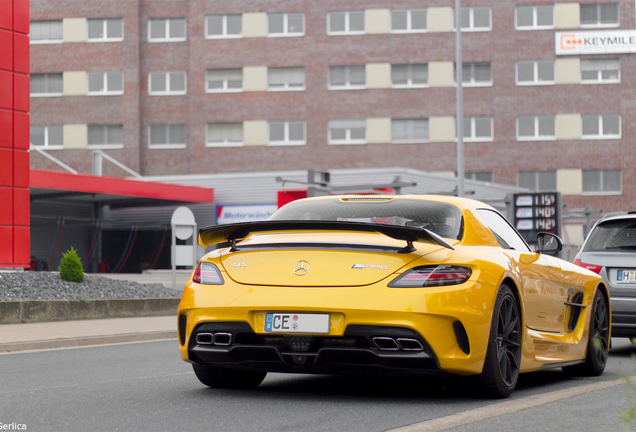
(441, 218)
(613, 235)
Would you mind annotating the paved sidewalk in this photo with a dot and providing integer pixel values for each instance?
(66, 334)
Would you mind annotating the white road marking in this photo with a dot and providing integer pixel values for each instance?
(503, 408)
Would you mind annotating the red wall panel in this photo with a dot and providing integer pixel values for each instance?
(6, 167)
(21, 92)
(6, 50)
(6, 126)
(21, 245)
(6, 14)
(21, 168)
(6, 84)
(21, 206)
(21, 19)
(6, 240)
(21, 49)
(21, 130)
(6, 209)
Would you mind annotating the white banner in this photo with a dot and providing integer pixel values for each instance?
(595, 42)
(244, 213)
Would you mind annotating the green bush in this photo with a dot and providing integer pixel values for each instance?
(71, 268)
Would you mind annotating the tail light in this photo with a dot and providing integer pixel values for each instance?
(596, 269)
(207, 274)
(430, 276)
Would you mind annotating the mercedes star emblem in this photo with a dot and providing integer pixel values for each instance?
(301, 268)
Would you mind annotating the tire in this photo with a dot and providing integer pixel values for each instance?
(598, 340)
(217, 377)
(503, 356)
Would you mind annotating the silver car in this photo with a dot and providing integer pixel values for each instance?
(610, 251)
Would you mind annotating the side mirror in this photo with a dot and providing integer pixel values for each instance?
(549, 243)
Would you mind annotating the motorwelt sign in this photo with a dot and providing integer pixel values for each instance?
(244, 213)
(595, 42)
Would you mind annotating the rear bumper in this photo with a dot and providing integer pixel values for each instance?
(353, 352)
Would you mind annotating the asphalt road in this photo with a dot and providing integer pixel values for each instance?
(146, 387)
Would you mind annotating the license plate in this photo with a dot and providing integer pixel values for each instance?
(296, 323)
(626, 277)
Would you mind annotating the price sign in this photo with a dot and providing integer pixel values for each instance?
(537, 212)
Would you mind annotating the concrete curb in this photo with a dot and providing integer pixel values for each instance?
(86, 341)
(31, 311)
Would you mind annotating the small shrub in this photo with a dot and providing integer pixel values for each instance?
(71, 268)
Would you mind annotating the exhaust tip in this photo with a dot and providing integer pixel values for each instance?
(408, 344)
(222, 338)
(386, 343)
(204, 338)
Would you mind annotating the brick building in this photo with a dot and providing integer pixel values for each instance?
(199, 86)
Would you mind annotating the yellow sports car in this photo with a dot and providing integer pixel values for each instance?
(389, 284)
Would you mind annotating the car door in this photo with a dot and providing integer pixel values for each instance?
(542, 280)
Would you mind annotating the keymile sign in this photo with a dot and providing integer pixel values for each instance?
(244, 213)
(595, 42)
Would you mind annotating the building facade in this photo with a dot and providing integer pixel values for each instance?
(177, 87)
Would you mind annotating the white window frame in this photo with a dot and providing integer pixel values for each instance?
(599, 74)
(601, 135)
(46, 41)
(536, 136)
(409, 84)
(286, 32)
(47, 145)
(105, 27)
(286, 87)
(49, 94)
(473, 137)
(409, 21)
(471, 175)
(603, 192)
(535, 65)
(347, 30)
(536, 174)
(287, 141)
(168, 146)
(168, 37)
(224, 35)
(105, 92)
(599, 24)
(411, 141)
(471, 20)
(472, 82)
(225, 143)
(225, 88)
(103, 146)
(168, 92)
(348, 140)
(348, 85)
(534, 25)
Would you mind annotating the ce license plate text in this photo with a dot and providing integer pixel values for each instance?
(296, 323)
(626, 277)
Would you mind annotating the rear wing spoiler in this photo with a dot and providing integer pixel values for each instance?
(233, 233)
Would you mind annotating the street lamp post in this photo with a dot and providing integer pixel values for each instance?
(460, 99)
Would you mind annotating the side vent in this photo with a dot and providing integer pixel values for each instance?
(574, 306)
(462, 337)
(182, 329)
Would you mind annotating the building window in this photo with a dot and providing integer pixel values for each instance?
(105, 136)
(345, 23)
(601, 126)
(485, 176)
(286, 133)
(534, 17)
(167, 30)
(285, 24)
(475, 74)
(46, 32)
(475, 19)
(287, 78)
(535, 72)
(105, 30)
(223, 26)
(537, 181)
(172, 136)
(224, 135)
(536, 128)
(167, 83)
(105, 83)
(224, 80)
(48, 137)
(408, 21)
(347, 132)
(599, 15)
(409, 130)
(48, 84)
(600, 71)
(409, 75)
(347, 77)
(597, 182)
(477, 129)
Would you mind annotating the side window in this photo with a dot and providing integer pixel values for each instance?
(506, 235)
